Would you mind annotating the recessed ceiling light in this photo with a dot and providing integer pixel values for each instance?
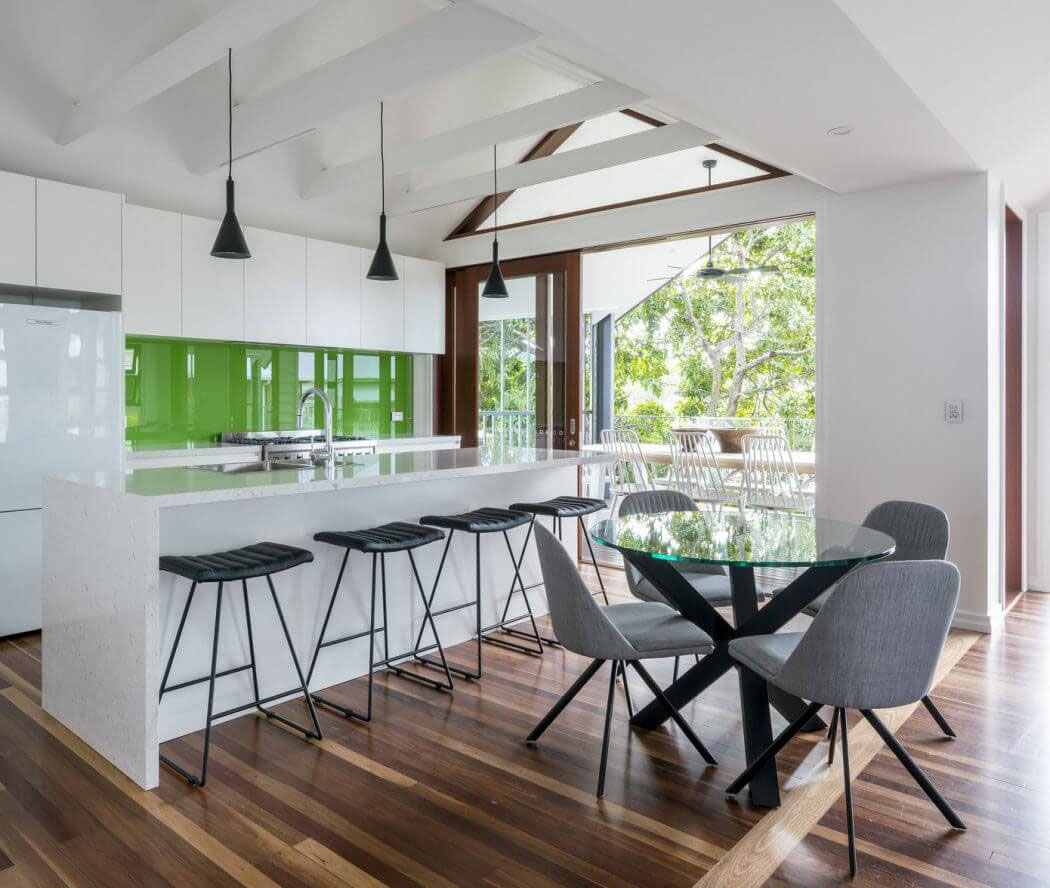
(840, 131)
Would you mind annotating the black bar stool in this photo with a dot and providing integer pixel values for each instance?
(556, 509)
(259, 560)
(380, 541)
(479, 522)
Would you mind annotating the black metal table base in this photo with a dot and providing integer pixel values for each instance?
(749, 619)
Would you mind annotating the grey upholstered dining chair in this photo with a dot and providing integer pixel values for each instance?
(623, 634)
(710, 580)
(874, 645)
(921, 532)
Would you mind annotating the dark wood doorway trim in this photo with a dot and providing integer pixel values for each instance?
(456, 389)
(1013, 351)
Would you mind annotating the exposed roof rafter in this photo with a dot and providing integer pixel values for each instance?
(239, 24)
(437, 45)
(613, 152)
(550, 114)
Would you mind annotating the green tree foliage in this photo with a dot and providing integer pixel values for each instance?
(739, 346)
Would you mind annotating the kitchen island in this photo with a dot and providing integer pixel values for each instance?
(110, 615)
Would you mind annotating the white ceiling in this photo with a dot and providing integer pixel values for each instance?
(932, 88)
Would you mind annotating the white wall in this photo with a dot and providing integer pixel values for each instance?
(908, 296)
(1039, 421)
(909, 288)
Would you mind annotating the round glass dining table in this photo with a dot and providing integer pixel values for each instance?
(739, 540)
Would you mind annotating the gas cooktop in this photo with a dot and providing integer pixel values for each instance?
(311, 436)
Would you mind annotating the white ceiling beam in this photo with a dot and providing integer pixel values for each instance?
(435, 46)
(637, 146)
(239, 24)
(571, 107)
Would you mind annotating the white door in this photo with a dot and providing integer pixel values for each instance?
(424, 306)
(78, 238)
(17, 229)
(21, 580)
(275, 288)
(333, 294)
(152, 272)
(383, 309)
(212, 289)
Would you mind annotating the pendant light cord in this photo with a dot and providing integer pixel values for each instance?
(382, 164)
(229, 106)
(495, 199)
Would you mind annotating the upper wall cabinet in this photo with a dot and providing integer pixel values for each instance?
(17, 229)
(152, 272)
(212, 289)
(275, 287)
(383, 309)
(424, 306)
(333, 294)
(78, 242)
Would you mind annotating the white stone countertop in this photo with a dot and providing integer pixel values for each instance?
(182, 486)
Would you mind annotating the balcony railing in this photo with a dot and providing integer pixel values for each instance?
(517, 428)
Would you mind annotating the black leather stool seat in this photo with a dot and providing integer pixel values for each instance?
(257, 560)
(394, 537)
(563, 506)
(479, 521)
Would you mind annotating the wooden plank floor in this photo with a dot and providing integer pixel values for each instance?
(441, 791)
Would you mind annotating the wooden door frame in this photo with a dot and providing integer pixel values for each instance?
(456, 395)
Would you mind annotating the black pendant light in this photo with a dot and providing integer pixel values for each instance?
(382, 267)
(495, 286)
(230, 242)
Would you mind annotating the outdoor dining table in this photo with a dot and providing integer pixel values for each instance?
(740, 540)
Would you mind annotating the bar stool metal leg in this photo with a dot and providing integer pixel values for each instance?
(504, 619)
(428, 618)
(346, 711)
(193, 779)
(594, 561)
(178, 638)
(316, 733)
(510, 630)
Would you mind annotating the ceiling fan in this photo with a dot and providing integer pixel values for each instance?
(709, 271)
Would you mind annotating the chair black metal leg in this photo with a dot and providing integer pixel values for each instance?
(831, 737)
(942, 722)
(564, 701)
(622, 668)
(346, 711)
(678, 718)
(328, 616)
(192, 779)
(674, 675)
(850, 828)
(610, 701)
(594, 561)
(916, 772)
(315, 734)
(178, 637)
(433, 591)
(517, 568)
(775, 747)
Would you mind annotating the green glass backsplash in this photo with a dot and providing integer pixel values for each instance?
(194, 390)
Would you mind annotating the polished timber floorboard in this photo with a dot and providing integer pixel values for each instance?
(440, 790)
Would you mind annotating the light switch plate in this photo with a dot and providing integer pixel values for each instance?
(953, 410)
(397, 416)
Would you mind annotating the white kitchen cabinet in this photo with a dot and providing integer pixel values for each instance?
(275, 287)
(383, 309)
(212, 289)
(17, 229)
(152, 272)
(333, 294)
(20, 555)
(78, 238)
(424, 306)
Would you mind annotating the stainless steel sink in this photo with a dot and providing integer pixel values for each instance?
(294, 465)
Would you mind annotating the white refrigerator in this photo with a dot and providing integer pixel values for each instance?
(61, 412)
